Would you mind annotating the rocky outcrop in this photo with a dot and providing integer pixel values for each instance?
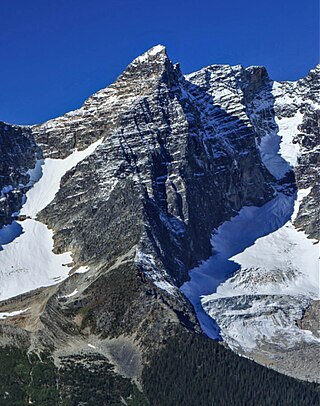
(18, 153)
(307, 172)
(310, 320)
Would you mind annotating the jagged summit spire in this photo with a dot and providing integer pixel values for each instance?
(158, 50)
(150, 66)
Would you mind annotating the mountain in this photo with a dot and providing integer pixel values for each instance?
(168, 220)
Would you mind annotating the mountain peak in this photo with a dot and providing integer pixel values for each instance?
(158, 51)
(146, 69)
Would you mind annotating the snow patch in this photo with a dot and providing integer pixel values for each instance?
(82, 269)
(302, 193)
(288, 129)
(278, 150)
(269, 150)
(151, 52)
(147, 263)
(27, 261)
(12, 314)
(46, 177)
(164, 285)
(71, 294)
(8, 233)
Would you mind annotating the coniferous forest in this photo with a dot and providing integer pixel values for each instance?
(191, 370)
(195, 371)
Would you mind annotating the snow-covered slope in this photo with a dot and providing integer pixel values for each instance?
(27, 260)
(263, 272)
(256, 254)
(46, 176)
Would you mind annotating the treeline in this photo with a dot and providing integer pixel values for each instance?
(195, 371)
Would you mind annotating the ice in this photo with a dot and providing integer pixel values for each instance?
(287, 250)
(259, 238)
(246, 320)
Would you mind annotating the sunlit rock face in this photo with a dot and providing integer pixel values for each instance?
(152, 175)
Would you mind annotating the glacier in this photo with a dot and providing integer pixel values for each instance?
(263, 271)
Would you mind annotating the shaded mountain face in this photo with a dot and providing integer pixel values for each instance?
(262, 276)
(132, 191)
(18, 152)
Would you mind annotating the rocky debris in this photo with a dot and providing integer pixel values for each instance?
(300, 361)
(310, 320)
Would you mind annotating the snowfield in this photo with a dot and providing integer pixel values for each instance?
(258, 252)
(27, 260)
(263, 272)
(46, 178)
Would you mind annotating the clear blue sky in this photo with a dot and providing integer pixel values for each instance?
(55, 53)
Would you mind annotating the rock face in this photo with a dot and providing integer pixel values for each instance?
(175, 157)
(307, 170)
(263, 273)
(167, 143)
(18, 154)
